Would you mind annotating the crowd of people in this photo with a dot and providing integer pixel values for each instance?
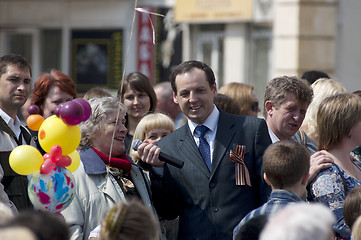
(293, 174)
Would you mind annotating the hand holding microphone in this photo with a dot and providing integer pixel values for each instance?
(162, 156)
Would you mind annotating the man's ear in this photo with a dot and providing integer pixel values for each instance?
(175, 98)
(268, 106)
(214, 89)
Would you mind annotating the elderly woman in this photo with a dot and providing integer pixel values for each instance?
(105, 175)
(339, 131)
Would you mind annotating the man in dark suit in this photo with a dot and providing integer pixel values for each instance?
(209, 199)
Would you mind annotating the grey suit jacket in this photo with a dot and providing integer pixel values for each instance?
(210, 204)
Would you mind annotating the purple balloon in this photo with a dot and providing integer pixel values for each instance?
(86, 106)
(57, 110)
(33, 109)
(71, 113)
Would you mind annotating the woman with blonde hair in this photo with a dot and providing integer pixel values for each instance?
(244, 96)
(339, 127)
(322, 89)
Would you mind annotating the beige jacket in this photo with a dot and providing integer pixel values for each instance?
(96, 193)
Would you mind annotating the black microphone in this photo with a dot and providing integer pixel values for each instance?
(162, 156)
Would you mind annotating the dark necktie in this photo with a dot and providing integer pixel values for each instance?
(203, 147)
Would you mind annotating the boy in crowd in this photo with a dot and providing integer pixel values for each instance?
(286, 169)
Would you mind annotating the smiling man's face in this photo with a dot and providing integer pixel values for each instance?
(194, 95)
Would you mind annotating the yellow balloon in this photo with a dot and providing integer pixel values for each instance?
(75, 161)
(54, 131)
(25, 160)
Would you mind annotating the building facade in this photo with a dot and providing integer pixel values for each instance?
(249, 41)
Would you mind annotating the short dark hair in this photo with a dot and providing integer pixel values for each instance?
(15, 60)
(36, 221)
(313, 75)
(252, 228)
(187, 67)
(285, 163)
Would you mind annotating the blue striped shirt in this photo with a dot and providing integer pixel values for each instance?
(278, 199)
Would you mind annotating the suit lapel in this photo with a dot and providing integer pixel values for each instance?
(224, 137)
(189, 148)
(8, 130)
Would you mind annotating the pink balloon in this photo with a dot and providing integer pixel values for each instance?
(71, 113)
(47, 166)
(55, 153)
(65, 161)
(86, 106)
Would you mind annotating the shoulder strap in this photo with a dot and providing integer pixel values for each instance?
(26, 134)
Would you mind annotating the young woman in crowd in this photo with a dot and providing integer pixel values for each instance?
(138, 96)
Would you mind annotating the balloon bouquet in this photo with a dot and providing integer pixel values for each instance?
(51, 185)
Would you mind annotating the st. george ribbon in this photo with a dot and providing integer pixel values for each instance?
(162, 156)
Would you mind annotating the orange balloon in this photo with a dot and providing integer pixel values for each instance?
(34, 121)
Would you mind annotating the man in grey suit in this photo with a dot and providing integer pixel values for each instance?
(209, 198)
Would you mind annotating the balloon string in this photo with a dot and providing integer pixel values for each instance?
(121, 89)
(150, 19)
(137, 9)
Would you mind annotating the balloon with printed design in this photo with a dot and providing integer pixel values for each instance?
(51, 192)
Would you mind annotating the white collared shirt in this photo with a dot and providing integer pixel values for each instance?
(273, 136)
(14, 125)
(212, 123)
